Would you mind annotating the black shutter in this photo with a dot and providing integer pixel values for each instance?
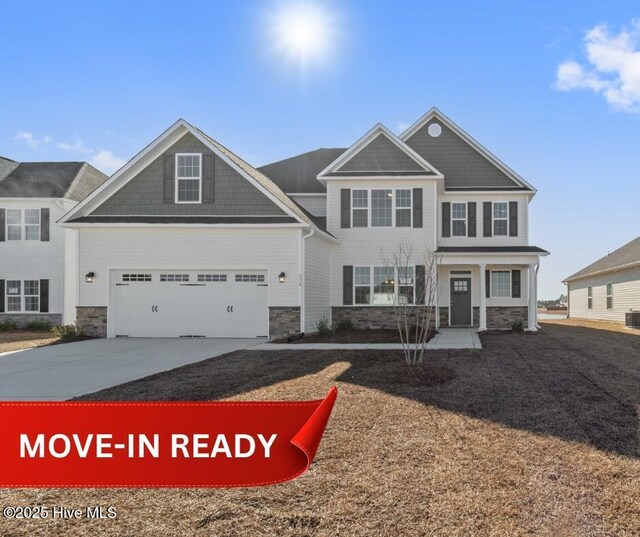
(345, 207)
(420, 290)
(446, 219)
(471, 209)
(513, 219)
(1, 296)
(487, 283)
(169, 178)
(417, 207)
(3, 216)
(487, 219)
(347, 285)
(44, 296)
(208, 173)
(44, 225)
(515, 284)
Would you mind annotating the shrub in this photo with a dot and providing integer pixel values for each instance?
(345, 326)
(66, 332)
(323, 327)
(40, 326)
(8, 324)
(517, 325)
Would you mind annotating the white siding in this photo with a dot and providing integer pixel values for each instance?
(317, 287)
(35, 260)
(71, 277)
(315, 204)
(626, 295)
(363, 246)
(275, 250)
(523, 230)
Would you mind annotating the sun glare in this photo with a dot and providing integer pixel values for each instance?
(303, 33)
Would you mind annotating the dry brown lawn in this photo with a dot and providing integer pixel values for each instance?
(535, 435)
(598, 325)
(15, 340)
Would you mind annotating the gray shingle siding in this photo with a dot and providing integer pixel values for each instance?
(143, 194)
(462, 165)
(381, 154)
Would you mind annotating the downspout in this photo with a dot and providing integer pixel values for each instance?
(537, 268)
(302, 276)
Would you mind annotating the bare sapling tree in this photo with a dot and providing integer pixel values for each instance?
(413, 296)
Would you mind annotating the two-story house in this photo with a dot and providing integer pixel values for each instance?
(38, 277)
(188, 239)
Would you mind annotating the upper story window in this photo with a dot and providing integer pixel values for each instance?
(500, 218)
(188, 178)
(23, 223)
(360, 207)
(458, 219)
(382, 207)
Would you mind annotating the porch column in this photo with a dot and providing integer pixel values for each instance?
(533, 306)
(483, 299)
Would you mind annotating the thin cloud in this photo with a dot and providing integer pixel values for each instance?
(612, 69)
(76, 147)
(33, 142)
(106, 161)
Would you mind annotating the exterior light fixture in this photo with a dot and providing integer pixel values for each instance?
(282, 277)
(90, 277)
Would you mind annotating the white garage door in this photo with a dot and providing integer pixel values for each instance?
(183, 303)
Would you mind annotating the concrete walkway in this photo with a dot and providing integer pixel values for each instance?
(447, 338)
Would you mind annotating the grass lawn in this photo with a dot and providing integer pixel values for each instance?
(535, 435)
(15, 340)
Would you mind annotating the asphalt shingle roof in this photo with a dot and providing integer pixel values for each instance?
(625, 255)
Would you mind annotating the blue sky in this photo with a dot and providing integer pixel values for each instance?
(99, 80)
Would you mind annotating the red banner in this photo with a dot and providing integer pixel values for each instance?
(216, 444)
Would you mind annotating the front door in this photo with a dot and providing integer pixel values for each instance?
(460, 302)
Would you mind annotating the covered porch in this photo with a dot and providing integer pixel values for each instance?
(488, 289)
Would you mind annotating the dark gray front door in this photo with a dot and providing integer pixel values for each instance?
(460, 302)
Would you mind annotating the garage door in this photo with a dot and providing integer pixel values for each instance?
(187, 303)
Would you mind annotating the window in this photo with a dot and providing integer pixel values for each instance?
(381, 208)
(32, 224)
(248, 278)
(460, 286)
(501, 284)
(212, 277)
(500, 218)
(188, 178)
(609, 296)
(23, 296)
(174, 277)
(383, 285)
(590, 298)
(458, 219)
(136, 277)
(14, 224)
(362, 285)
(403, 207)
(405, 285)
(360, 204)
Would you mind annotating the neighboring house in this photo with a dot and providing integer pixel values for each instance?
(187, 239)
(38, 278)
(608, 288)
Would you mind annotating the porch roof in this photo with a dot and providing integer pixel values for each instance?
(491, 250)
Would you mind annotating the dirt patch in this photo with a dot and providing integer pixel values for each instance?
(354, 336)
(533, 436)
(598, 325)
(15, 340)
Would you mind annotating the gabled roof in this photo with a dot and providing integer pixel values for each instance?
(155, 148)
(299, 174)
(70, 180)
(465, 163)
(370, 167)
(625, 256)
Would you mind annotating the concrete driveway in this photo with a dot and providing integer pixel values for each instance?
(61, 372)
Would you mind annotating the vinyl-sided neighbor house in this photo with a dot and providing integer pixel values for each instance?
(188, 239)
(38, 277)
(608, 288)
